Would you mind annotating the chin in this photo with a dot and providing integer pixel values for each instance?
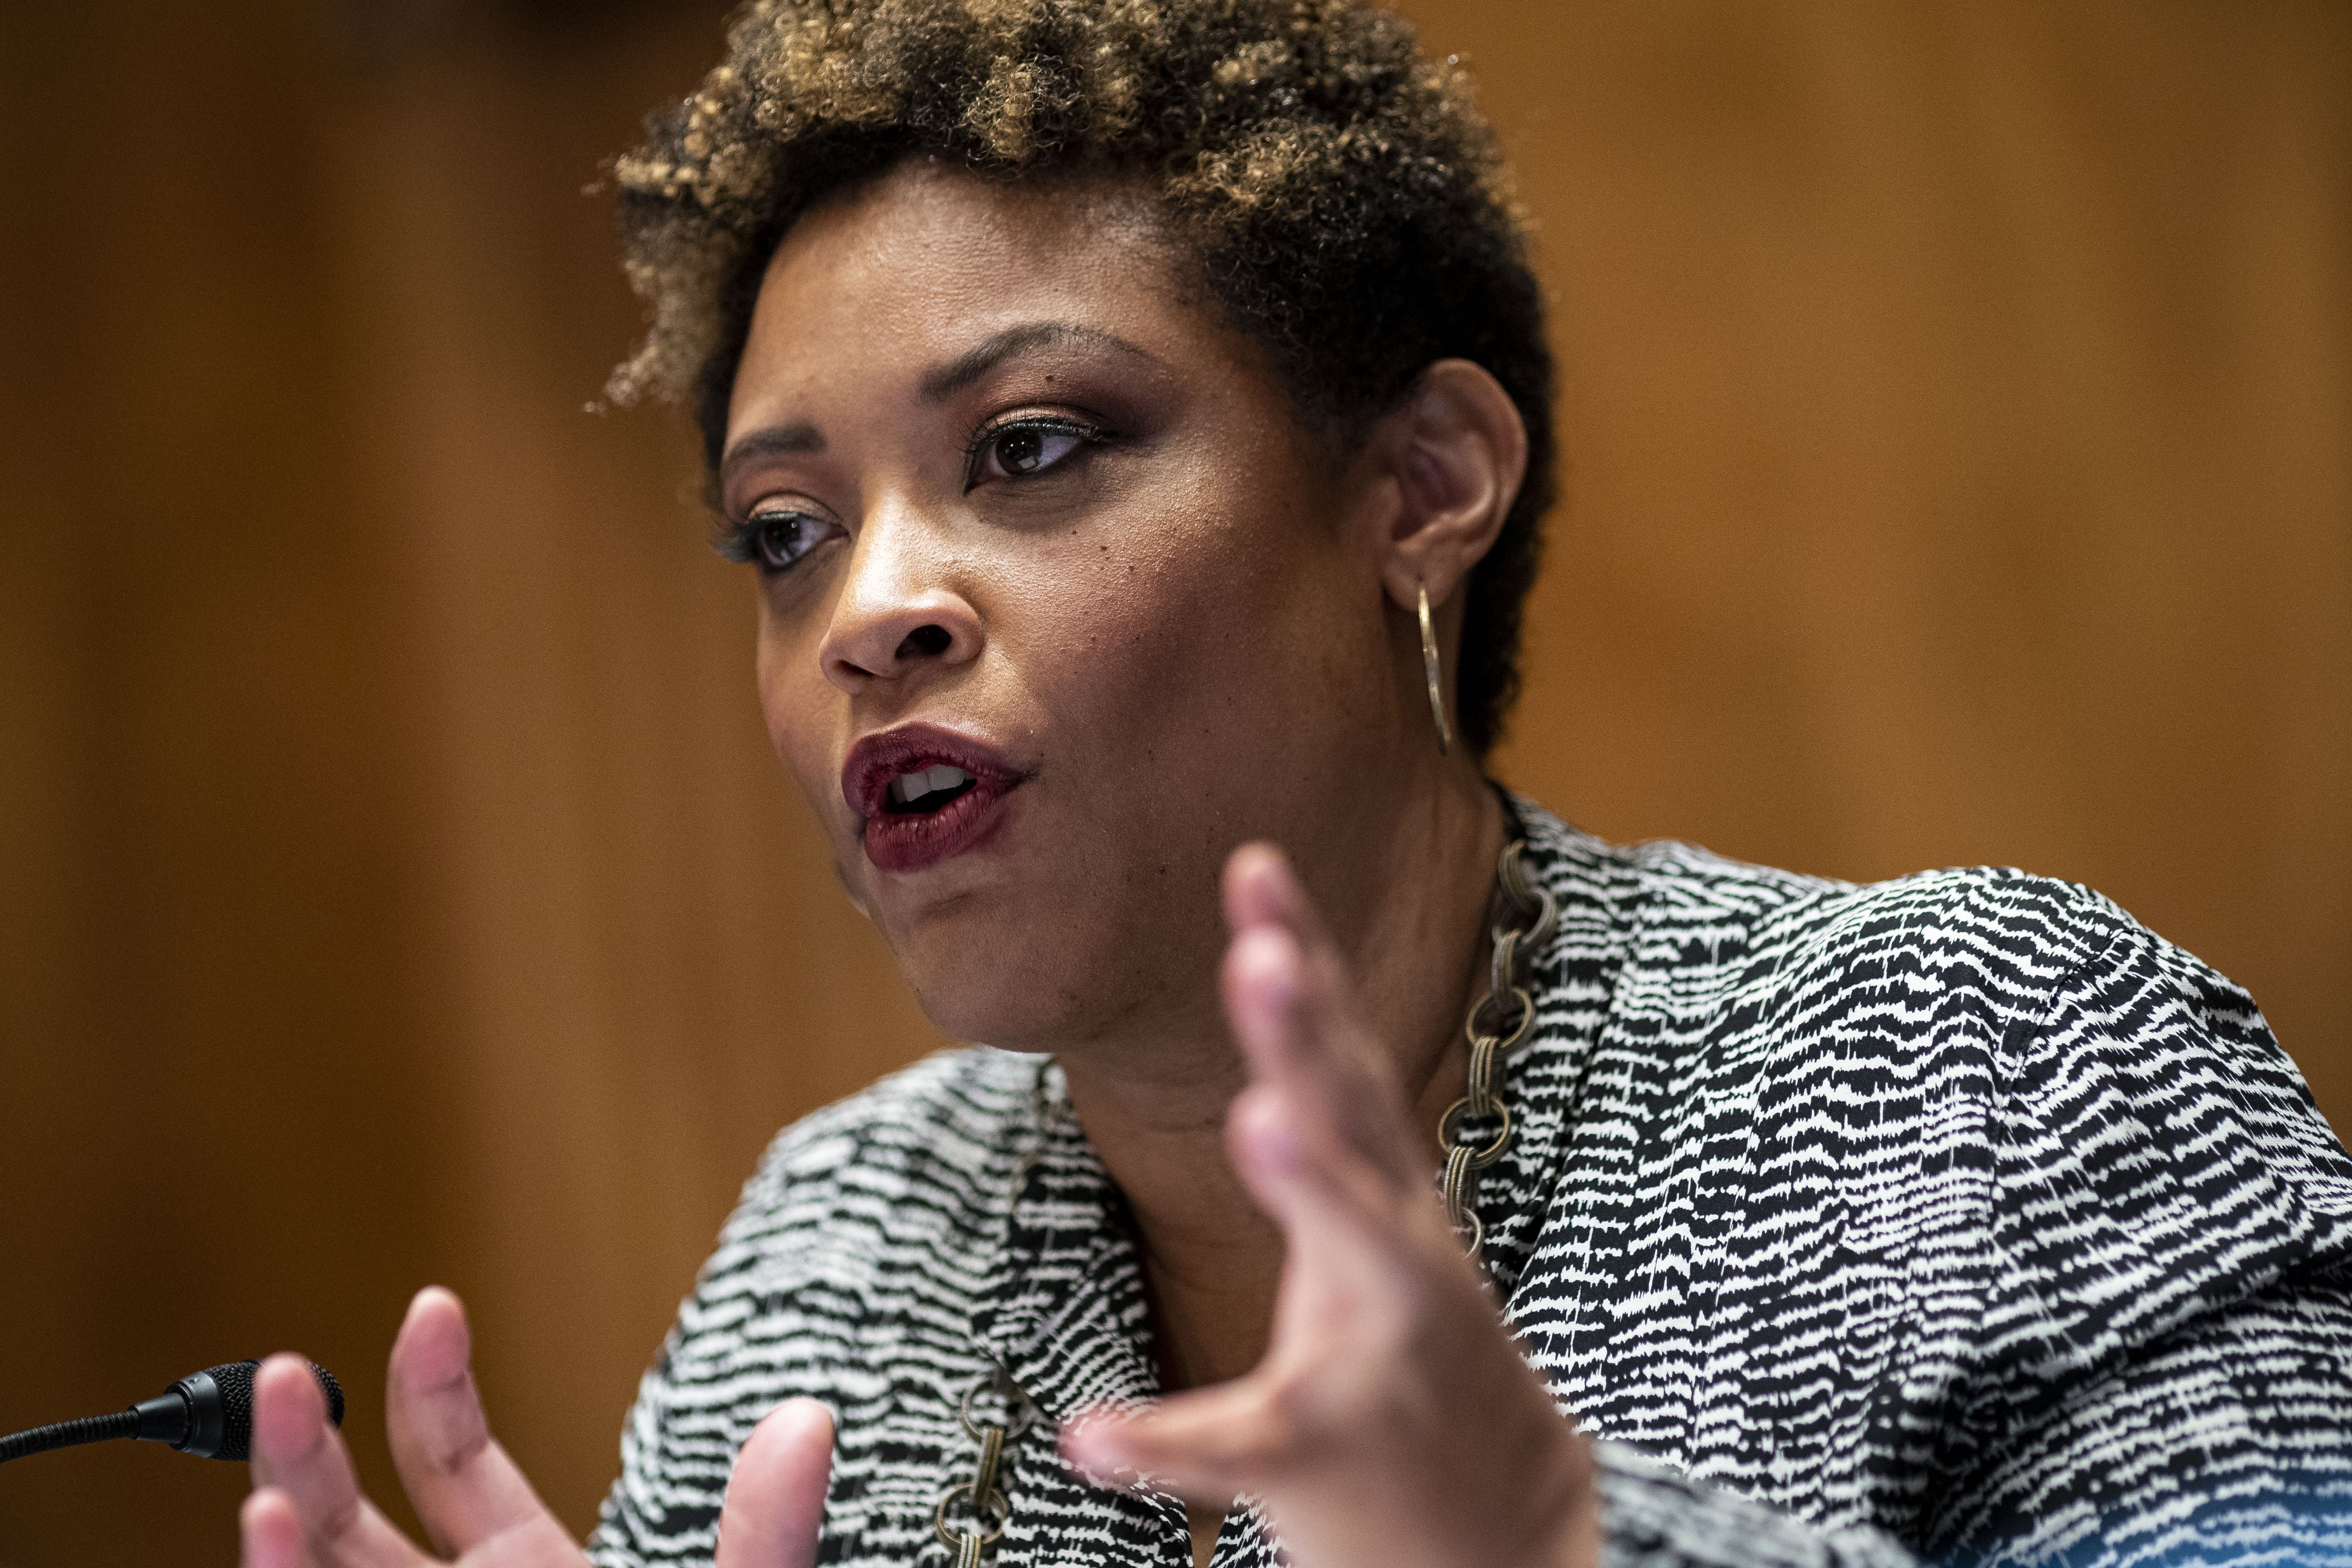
(974, 961)
(1024, 945)
(1007, 1005)
(1048, 991)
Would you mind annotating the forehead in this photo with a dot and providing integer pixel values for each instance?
(901, 272)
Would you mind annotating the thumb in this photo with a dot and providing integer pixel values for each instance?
(775, 1499)
(1206, 1443)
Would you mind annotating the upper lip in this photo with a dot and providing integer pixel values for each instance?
(875, 761)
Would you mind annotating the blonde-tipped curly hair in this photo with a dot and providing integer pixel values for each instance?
(1345, 200)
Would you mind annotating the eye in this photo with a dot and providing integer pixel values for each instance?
(774, 539)
(1021, 448)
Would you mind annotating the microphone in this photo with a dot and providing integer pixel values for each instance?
(208, 1414)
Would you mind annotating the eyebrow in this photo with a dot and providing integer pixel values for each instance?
(945, 381)
(775, 441)
(939, 384)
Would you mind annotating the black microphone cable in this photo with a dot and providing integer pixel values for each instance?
(208, 1414)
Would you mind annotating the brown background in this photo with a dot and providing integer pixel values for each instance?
(394, 882)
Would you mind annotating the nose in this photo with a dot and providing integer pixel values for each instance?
(896, 615)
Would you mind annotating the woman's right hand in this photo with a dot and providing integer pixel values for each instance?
(306, 1511)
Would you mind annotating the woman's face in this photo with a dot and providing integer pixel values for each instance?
(1059, 602)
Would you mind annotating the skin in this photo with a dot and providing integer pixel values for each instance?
(1035, 490)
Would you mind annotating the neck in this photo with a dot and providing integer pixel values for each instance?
(1406, 896)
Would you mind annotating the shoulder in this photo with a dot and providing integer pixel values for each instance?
(1704, 925)
(891, 1175)
(2099, 1127)
(1982, 925)
(952, 1108)
(846, 1258)
(2042, 1001)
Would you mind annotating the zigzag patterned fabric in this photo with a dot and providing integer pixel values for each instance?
(1956, 1218)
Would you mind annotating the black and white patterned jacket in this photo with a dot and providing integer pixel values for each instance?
(1957, 1216)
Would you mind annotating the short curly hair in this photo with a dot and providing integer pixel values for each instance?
(1346, 201)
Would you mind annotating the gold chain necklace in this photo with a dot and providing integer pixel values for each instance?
(991, 1509)
(1524, 918)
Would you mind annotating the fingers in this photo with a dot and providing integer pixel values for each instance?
(775, 1498)
(1261, 890)
(1331, 1205)
(1319, 1137)
(466, 1489)
(1285, 981)
(303, 1468)
(271, 1530)
(1212, 1443)
(1387, 1462)
(1287, 997)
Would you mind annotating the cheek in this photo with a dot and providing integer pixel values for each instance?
(792, 692)
(1111, 638)
(1207, 636)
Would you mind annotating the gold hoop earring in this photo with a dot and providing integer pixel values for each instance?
(1429, 667)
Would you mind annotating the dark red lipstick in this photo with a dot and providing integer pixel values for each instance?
(923, 794)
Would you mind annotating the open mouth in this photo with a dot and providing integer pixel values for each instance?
(926, 790)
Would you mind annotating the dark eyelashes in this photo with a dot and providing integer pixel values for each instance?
(745, 540)
(1081, 431)
(737, 539)
(1047, 424)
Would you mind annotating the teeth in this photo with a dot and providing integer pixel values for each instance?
(908, 788)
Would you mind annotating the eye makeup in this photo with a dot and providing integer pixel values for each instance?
(772, 538)
(1021, 445)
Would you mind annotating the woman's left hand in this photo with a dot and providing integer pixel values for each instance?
(1393, 1420)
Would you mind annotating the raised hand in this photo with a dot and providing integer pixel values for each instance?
(306, 1511)
(1392, 1421)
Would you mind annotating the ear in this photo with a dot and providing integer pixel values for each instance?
(1456, 453)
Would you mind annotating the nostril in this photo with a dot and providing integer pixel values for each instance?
(925, 642)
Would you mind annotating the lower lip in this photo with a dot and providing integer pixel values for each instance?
(918, 839)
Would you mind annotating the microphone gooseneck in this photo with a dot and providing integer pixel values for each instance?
(68, 1434)
(208, 1414)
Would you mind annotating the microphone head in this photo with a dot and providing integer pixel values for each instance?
(220, 1407)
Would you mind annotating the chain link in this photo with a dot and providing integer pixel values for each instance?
(991, 1509)
(1524, 918)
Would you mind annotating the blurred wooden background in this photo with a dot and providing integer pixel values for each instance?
(394, 885)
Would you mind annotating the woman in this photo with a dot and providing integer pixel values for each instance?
(1137, 415)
